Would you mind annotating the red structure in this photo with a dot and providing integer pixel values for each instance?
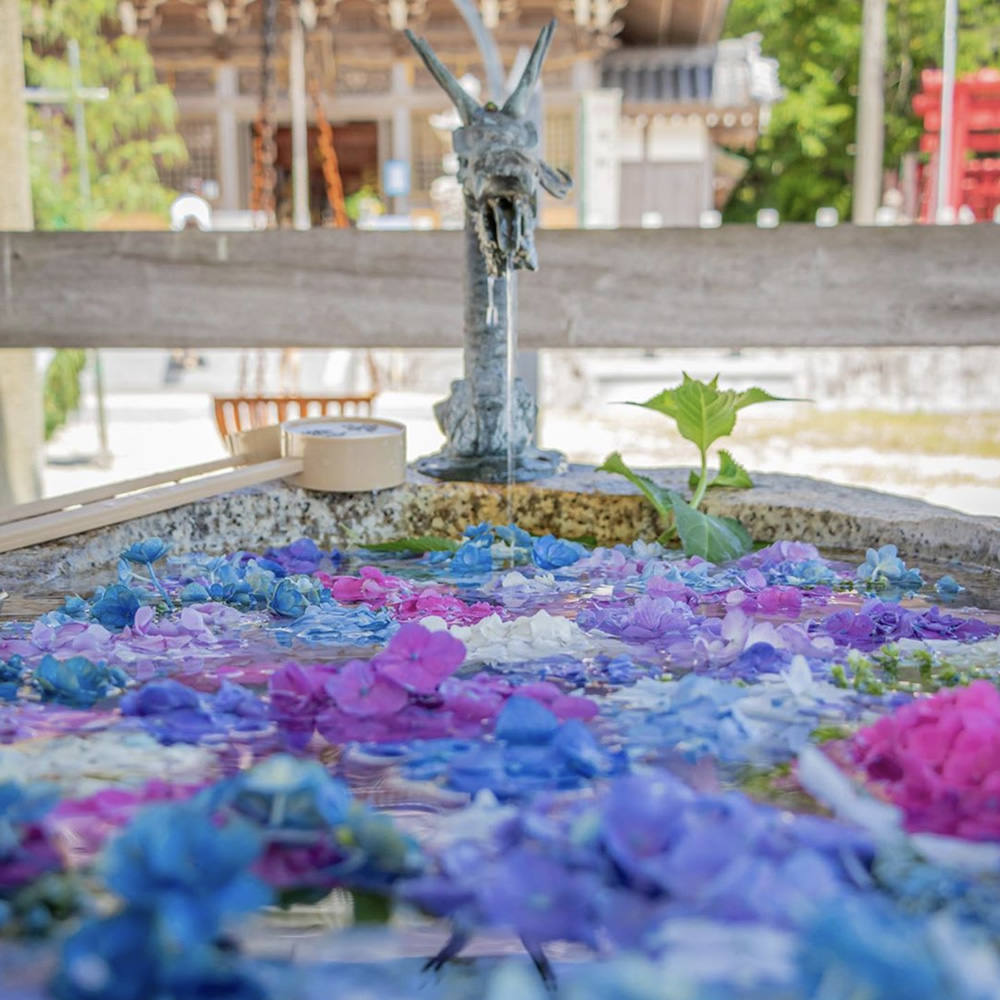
(975, 169)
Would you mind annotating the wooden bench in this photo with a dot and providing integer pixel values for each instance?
(244, 413)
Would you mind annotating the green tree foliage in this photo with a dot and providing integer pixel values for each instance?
(805, 159)
(128, 134)
(61, 394)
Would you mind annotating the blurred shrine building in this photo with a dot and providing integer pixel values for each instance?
(972, 187)
(640, 100)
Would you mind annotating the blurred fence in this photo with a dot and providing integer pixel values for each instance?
(733, 287)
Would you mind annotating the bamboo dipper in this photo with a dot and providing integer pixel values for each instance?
(327, 454)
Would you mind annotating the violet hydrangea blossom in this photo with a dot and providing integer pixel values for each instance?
(647, 849)
(175, 713)
(406, 691)
(656, 620)
(878, 622)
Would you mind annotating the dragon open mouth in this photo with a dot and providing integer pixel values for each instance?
(505, 225)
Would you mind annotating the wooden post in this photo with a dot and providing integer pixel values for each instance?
(871, 115)
(300, 127)
(911, 193)
(402, 149)
(15, 192)
(227, 126)
(20, 392)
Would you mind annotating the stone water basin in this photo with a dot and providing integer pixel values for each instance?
(766, 779)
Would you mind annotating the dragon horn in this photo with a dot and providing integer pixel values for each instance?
(517, 103)
(467, 106)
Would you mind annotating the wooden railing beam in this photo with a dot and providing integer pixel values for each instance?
(734, 287)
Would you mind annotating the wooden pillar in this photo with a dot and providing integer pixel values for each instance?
(15, 191)
(584, 75)
(871, 115)
(383, 142)
(228, 141)
(599, 168)
(301, 218)
(911, 193)
(402, 139)
(20, 389)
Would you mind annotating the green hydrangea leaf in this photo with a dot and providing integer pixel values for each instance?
(731, 473)
(703, 412)
(755, 395)
(660, 497)
(717, 539)
(419, 545)
(371, 908)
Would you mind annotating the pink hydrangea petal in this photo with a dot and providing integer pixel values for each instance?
(938, 758)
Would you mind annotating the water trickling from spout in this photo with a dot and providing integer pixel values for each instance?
(491, 304)
(509, 387)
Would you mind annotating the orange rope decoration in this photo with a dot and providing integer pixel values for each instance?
(328, 156)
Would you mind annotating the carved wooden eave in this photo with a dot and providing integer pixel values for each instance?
(353, 45)
(366, 34)
(673, 22)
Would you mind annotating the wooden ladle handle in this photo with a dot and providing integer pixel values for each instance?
(44, 527)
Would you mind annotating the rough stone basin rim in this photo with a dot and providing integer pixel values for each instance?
(580, 502)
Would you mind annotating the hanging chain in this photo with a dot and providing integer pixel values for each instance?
(265, 149)
(327, 152)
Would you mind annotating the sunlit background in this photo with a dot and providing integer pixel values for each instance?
(227, 116)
